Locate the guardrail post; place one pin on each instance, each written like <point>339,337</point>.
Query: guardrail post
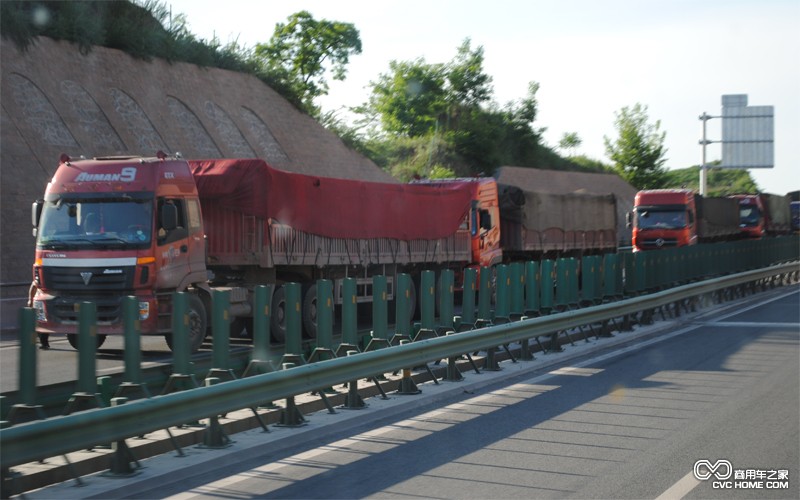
<point>562,283</point>
<point>546,290</point>
<point>182,376</point>
<point>214,436</point>
<point>402,308</point>
<point>123,463</point>
<point>502,292</point>
<point>220,331</point>
<point>484,298</point>
<point>517,305</point>
<point>588,279</point>
<point>427,301</point>
<point>87,363</point>
<point>27,410</point>
<point>574,295</point>
<point>291,416</point>
<point>349,318</point>
<point>453,374</point>
<point>380,321</point>
<point>293,351</point>
<point>468,300</point>
<point>133,351</point>
<point>353,401</point>
<point>446,303</point>
<point>324,350</point>
<point>532,286</point>
<point>406,386</point>
<point>610,263</point>
<point>260,361</point>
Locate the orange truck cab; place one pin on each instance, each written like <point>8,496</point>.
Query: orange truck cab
<point>483,222</point>
<point>664,218</point>
<point>112,227</point>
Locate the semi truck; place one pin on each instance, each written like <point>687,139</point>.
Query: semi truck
<point>668,218</point>
<point>117,226</point>
<point>113,227</point>
<point>764,214</point>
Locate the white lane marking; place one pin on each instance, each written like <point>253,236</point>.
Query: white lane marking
<point>680,489</point>
<point>750,324</point>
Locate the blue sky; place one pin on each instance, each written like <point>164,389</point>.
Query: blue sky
<point>591,58</point>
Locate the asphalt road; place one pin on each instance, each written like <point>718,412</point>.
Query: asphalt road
<point>626,422</point>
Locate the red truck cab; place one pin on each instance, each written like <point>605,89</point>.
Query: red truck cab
<point>113,227</point>
<point>664,218</point>
<point>751,215</point>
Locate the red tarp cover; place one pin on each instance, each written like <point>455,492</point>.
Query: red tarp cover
<point>336,208</point>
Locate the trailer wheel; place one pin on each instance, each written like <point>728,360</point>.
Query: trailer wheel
<point>278,317</point>
<point>73,340</point>
<point>198,325</point>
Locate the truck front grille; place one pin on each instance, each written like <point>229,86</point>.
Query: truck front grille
<point>660,243</point>
<point>88,279</point>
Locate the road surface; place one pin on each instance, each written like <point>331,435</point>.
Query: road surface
<point>628,422</point>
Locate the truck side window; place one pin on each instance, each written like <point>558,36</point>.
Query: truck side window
<point>179,232</point>
<point>193,209</point>
<point>486,220</point>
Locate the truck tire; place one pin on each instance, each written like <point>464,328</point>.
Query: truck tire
<point>278,317</point>
<point>198,325</point>
<point>73,340</point>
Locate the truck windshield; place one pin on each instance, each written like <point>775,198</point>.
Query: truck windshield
<point>75,222</point>
<point>660,219</point>
<point>748,216</point>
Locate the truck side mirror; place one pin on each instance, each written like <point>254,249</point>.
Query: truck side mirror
<point>628,219</point>
<point>36,213</point>
<point>169,216</point>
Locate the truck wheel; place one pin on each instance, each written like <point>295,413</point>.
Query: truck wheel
<point>198,325</point>
<point>73,340</point>
<point>278,318</point>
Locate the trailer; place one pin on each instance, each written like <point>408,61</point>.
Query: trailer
<point>535,224</point>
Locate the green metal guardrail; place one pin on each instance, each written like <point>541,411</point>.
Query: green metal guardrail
<point>38,440</point>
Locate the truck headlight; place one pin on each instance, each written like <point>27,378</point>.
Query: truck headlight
<point>144,310</point>
<point>38,306</point>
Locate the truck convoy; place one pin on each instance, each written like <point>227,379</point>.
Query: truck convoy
<point>112,227</point>
<point>668,218</point>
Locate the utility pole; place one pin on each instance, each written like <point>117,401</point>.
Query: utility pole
<point>704,142</point>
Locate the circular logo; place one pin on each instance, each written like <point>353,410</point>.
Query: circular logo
<point>660,242</point>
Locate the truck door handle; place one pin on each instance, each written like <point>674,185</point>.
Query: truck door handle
<point>184,248</point>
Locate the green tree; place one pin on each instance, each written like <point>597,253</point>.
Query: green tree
<point>303,50</point>
<point>410,98</point>
<point>453,101</point>
<point>570,141</point>
<point>467,83</point>
<point>638,152</point>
